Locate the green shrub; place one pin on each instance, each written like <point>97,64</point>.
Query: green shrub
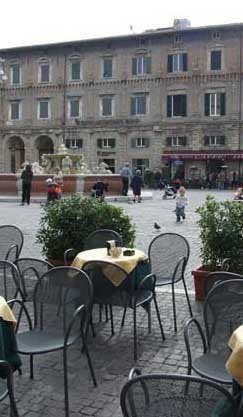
<point>221,233</point>
<point>67,223</point>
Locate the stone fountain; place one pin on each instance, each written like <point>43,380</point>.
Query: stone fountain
<point>76,175</point>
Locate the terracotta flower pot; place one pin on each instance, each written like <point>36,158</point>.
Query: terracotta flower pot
<point>200,274</point>
<point>58,262</point>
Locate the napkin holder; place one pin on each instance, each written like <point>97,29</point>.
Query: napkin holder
<point>112,248</point>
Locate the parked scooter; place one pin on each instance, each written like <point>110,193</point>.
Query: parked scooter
<point>169,191</point>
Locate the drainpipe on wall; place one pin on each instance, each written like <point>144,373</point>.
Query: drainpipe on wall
<point>240,104</point>
<point>64,99</point>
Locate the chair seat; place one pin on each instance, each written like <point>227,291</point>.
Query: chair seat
<point>212,366</point>
<point>35,341</point>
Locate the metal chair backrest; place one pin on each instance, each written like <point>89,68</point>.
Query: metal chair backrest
<point>165,251</point>
<point>11,242</point>
<point>57,295</point>
<point>215,278</point>
<point>30,270</point>
<point>10,283</point>
<point>98,239</point>
<point>170,395</point>
<point>223,313</point>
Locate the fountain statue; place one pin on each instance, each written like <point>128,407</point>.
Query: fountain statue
<point>69,163</point>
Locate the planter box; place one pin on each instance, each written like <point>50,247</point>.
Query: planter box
<point>200,275</point>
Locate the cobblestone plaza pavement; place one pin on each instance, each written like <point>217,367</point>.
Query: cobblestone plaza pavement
<point>112,357</point>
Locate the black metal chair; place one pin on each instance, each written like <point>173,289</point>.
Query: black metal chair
<point>70,290</point>
<point>165,252</point>
<point>215,278</point>
<point>30,271</point>
<point>10,282</point>
<point>11,242</point>
<point>6,386</point>
<point>222,314</point>
<point>114,287</point>
<point>98,239</point>
<point>171,395</point>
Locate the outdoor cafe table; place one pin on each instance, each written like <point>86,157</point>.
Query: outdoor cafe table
<point>136,266</point>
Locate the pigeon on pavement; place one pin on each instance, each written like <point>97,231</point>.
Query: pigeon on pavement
<point>157,226</point>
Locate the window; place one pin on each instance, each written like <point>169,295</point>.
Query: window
<point>74,143</point>
<point>215,63</point>
<point>107,68</point>
<point>141,65</point>
<point>177,39</point>
<point>75,70</point>
<point>138,104</point>
<point>141,164</point>
<point>175,141</point>
<point>214,140</point>
<point>106,106</point>
<point>74,109</point>
<point>106,143</point>
<point>140,143</point>
<point>216,35</point>
<point>215,104</point>
<point>14,110</point>
<point>15,74</point>
<point>43,109</point>
<point>177,62</point>
<point>44,72</point>
<point>177,105</point>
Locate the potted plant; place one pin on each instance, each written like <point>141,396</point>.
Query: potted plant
<point>67,223</point>
<point>221,234</point>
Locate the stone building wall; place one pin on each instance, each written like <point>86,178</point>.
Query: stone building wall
<point>26,136</point>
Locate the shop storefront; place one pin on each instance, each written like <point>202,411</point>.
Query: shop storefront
<point>198,167</point>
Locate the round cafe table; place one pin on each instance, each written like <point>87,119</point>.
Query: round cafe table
<point>128,263</point>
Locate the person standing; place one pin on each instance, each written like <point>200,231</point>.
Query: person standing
<point>181,202</point>
<point>136,184</point>
<point>126,176</point>
<point>26,176</point>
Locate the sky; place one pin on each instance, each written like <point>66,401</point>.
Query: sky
<point>33,22</point>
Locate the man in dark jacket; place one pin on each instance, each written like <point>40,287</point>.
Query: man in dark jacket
<point>26,176</point>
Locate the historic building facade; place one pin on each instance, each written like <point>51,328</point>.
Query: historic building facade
<point>168,98</point>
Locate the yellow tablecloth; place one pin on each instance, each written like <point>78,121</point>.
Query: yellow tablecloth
<point>128,263</point>
<point>234,365</point>
<point>6,312</point>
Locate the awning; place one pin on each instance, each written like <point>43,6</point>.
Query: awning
<point>200,156</point>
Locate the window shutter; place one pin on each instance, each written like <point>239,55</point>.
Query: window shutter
<point>170,63</point>
<point>112,143</point>
<point>133,105</point>
<point>168,141</point>
<point>133,143</point>
<point>183,110</point>
<point>184,62</point>
<point>183,141</point>
<point>134,66</point>
<point>146,142</point>
<point>169,106</point>
<point>148,65</point>
<point>142,105</point>
<point>206,104</point>
<point>222,140</point>
<point>99,143</point>
<point>222,104</point>
<point>206,140</point>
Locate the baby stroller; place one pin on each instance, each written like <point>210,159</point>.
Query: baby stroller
<point>169,191</point>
